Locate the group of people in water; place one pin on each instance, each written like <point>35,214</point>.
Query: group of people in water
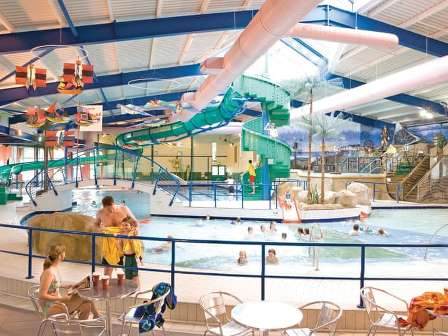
<point>357,229</point>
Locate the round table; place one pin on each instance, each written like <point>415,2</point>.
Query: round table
<point>114,291</point>
<point>266,315</point>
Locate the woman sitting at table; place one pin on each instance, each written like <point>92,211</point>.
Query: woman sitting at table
<point>49,289</point>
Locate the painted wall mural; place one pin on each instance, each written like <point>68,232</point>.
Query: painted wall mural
<point>353,134</point>
<point>428,132</point>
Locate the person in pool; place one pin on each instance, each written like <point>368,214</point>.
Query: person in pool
<point>242,259</point>
<point>250,230</point>
<point>355,230</point>
<point>165,247</point>
<point>382,232</point>
<point>109,220</point>
<point>262,228</point>
<point>237,221</point>
<point>272,227</point>
<point>284,236</point>
<point>272,257</point>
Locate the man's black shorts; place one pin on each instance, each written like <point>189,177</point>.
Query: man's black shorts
<point>105,263</point>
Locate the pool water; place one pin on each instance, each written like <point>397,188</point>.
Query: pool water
<point>403,226</point>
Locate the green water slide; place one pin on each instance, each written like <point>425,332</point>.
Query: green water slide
<point>274,154</point>
<point>7,170</point>
<point>211,117</point>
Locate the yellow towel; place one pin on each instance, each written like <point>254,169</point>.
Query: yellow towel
<point>131,246</point>
<point>110,247</point>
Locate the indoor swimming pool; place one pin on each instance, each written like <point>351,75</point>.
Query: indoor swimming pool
<point>403,226</point>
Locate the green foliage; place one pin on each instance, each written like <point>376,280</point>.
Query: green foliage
<point>314,196</point>
<point>440,141</point>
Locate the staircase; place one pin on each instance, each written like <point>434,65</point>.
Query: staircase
<point>410,181</point>
<point>275,101</point>
<point>433,186</point>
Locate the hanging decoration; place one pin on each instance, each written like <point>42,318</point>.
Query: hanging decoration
<point>36,117</point>
<point>51,138</point>
<point>30,76</point>
<point>69,138</point>
<point>75,75</point>
<point>54,117</point>
<point>90,118</point>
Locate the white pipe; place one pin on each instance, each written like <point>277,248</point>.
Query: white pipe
<point>418,77</point>
<point>345,35</point>
<point>274,19</point>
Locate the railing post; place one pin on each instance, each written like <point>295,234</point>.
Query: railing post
<point>374,191</point>
<point>115,166</point>
<point>276,196</point>
<point>173,263</point>
<point>214,193</point>
<point>94,166</point>
<point>362,274</point>
<point>77,168</point>
<point>93,252</point>
<point>270,197</point>
<point>190,193</point>
<point>30,254</point>
<point>242,195</point>
<point>263,271</point>
<point>398,191</point>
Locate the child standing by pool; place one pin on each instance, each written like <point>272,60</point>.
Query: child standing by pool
<point>132,250</point>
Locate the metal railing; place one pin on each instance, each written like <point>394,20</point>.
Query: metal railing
<point>262,275</point>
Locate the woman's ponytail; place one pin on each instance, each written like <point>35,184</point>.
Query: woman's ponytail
<point>53,255</point>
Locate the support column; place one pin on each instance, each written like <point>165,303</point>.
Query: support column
<point>265,178</point>
<point>191,157</point>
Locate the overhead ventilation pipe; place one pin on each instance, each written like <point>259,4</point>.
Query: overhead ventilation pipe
<point>419,77</point>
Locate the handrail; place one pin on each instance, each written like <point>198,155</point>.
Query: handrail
<point>370,164</point>
<point>79,154</point>
<point>414,169</point>
<point>262,244</point>
<point>426,174</point>
<point>432,238</point>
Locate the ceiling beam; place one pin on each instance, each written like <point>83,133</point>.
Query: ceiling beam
<point>5,23</point>
<point>144,29</point>
<point>159,7</point>
<point>430,11</point>
<point>204,6</point>
<point>11,95</point>
<point>185,48</point>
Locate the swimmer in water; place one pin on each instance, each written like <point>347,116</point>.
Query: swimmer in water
<point>262,228</point>
<point>284,235</point>
<point>272,257</point>
<point>236,222</point>
<point>355,230</point>
<point>250,230</point>
<point>165,247</point>
<point>382,232</point>
<point>93,204</point>
<point>273,227</point>
<point>242,259</point>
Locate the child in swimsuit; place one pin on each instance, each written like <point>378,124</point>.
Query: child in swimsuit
<point>132,250</point>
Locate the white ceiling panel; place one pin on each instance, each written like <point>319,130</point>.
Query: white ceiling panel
<point>103,57</point>
<point>134,55</point>
<point>125,10</point>
<point>166,50</point>
<point>87,11</point>
<point>26,14</point>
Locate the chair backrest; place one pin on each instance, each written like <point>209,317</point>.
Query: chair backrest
<point>368,297</point>
<point>214,306</point>
<point>33,294</point>
<point>62,325</point>
<point>158,303</point>
<point>329,314</point>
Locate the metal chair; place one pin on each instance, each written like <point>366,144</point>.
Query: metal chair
<point>380,316</point>
<point>329,315</point>
<point>214,307</point>
<point>62,325</point>
<point>128,317</point>
<point>33,294</point>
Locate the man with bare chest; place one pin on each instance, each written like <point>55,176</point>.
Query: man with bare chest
<point>112,216</point>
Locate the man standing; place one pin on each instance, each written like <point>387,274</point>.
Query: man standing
<point>252,175</point>
<point>108,220</point>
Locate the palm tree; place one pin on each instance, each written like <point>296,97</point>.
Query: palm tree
<point>325,127</point>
